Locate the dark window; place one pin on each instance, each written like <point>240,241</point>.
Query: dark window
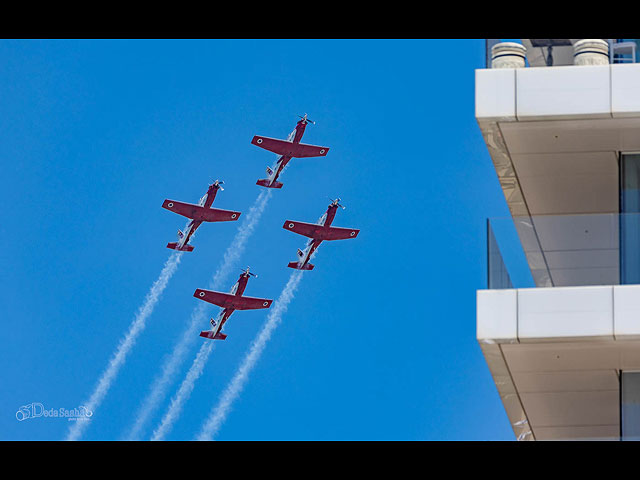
<point>630,405</point>
<point>629,219</point>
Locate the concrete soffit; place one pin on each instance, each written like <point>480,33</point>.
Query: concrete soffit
<point>505,170</point>
<point>507,391</point>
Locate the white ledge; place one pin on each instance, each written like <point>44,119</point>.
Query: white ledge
<point>557,93</point>
<point>558,314</point>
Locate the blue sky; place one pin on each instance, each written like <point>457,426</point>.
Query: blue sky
<point>379,341</point>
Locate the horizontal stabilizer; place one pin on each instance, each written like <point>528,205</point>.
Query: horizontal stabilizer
<point>185,248</point>
<point>320,232</point>
<point>264,182</point>
<point>289,149</point>
<point>227,300</point>
<point>199,213</point>
<point>297,266</point>
<point>209,334</point>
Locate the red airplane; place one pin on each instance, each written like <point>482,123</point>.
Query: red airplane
<point>317,233</point>
<point>202,212</point>
<point>229,302</point>
<point>287,149</point>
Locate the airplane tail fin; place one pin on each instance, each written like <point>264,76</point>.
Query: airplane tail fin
<point>297,266</point>
<point>208,334</point>
<point>264,182</point>
<point>185,248</point>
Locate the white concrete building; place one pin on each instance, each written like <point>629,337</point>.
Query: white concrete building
<point>559,324</point>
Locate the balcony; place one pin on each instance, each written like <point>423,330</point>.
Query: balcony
<point>559,324</point>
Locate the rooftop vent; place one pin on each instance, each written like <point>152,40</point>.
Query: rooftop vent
<point>591,51</point>
<point>508,55</point>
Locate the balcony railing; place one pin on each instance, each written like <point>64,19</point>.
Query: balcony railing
<point>563,250</point>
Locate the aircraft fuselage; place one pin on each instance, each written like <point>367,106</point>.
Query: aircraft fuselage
<point>206,201</point>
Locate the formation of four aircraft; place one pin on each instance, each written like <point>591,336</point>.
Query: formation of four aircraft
<point>203,212</point>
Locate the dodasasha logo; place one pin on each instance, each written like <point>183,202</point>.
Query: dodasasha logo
<point>38,410</point>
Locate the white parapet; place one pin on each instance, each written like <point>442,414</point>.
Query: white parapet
<point>626,312</point>
<point>625,90</point>
<point>558,314</point>
<point>557,93</point>
<point>497,312</point>
<point>562,314</point>
<point>563,92</point>
<point>496,95</point>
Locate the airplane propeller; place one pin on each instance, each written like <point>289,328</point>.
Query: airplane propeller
<point>337,202</point>
<point>306,120</point>
<point>219,183</point>
<point>247,272</point>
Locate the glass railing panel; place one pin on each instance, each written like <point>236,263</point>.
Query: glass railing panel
<point>564,250</point>
<point>506,257</point>
<point>498,276</point>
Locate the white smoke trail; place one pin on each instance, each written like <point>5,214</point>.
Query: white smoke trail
<point>127,343</point>
<point>172,364</point>
<point>219,413</point>
<point>184,391</point>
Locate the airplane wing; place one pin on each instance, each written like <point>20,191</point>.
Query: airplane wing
<point>202,214</point>
<point>319,232</point>
<point>290,149</point>
<point>338,233</point>
<point>302,228</point>
<point>252,303</point>
<point>227,300</point>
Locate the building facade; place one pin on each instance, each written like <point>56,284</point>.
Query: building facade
<point>559,321</point>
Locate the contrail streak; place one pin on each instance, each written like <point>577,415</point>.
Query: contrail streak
<point>184,391</point>
<point>219,413</point>
<point>172,364</point>
<point>127,343</point>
